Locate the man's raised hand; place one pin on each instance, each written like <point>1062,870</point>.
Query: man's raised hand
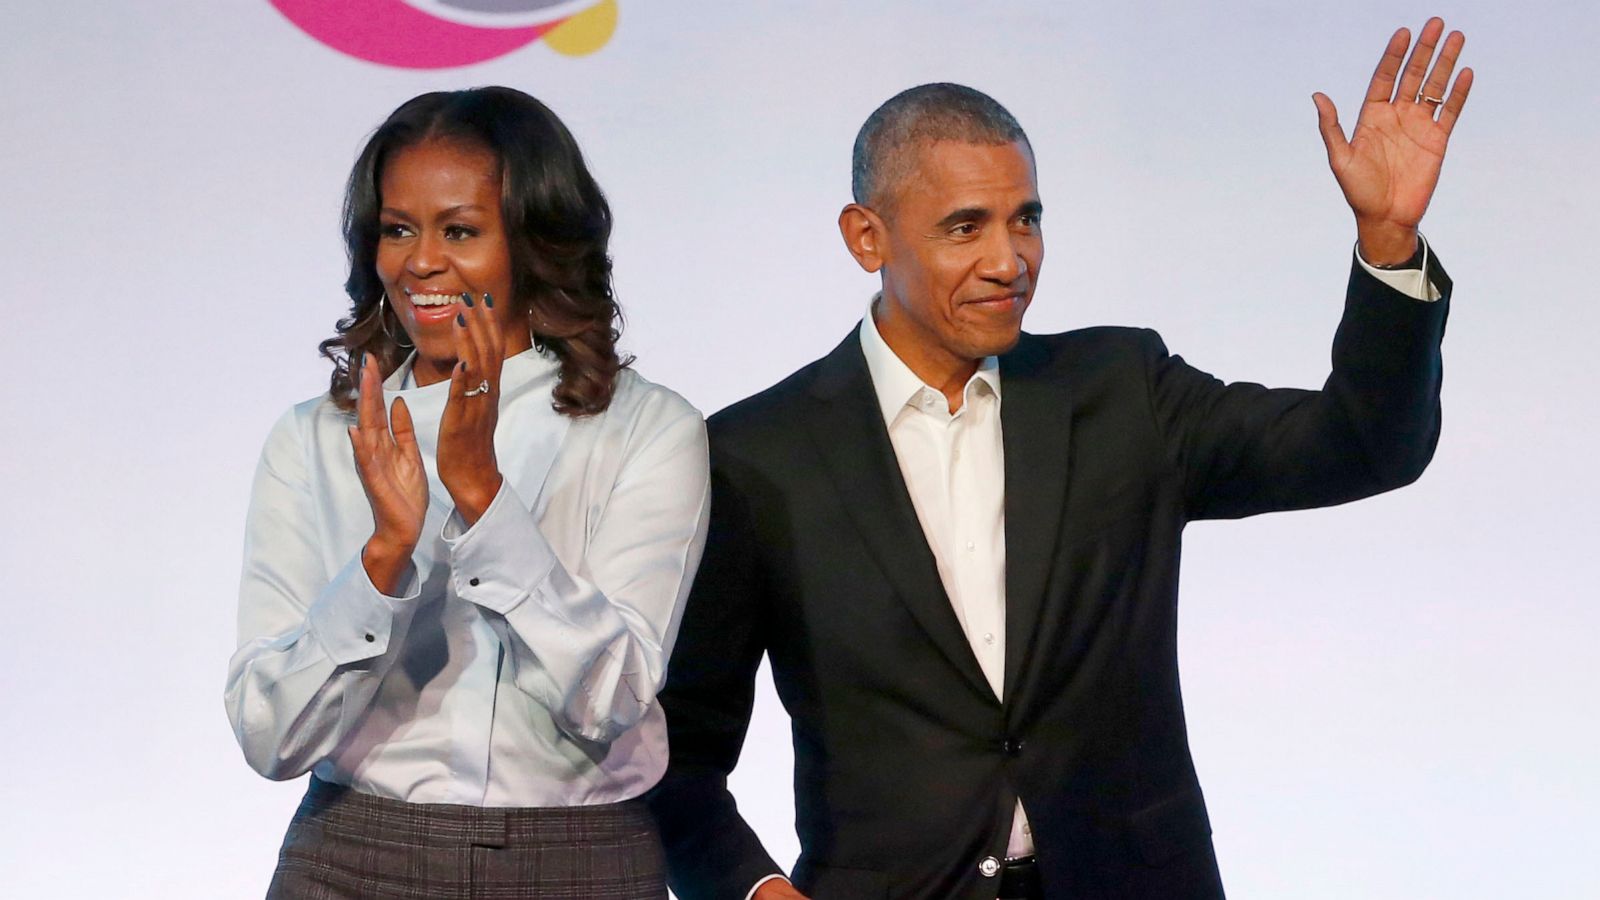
<point>1389,167</point>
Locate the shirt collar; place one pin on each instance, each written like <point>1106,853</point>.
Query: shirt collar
<point>896,385</point>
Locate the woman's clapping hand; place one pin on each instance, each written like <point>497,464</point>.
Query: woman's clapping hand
<point>390,466</point>
<point>467,464</point>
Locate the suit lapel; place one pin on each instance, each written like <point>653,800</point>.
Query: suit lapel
<point>1036,423</point>
<point>847,427</point>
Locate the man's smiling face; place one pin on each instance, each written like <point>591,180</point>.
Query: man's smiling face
<point>961,252</point>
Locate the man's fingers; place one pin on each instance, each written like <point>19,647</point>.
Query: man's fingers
<point>1381,90</point>
<point>1332,135</point>
<point>1457,99</point>
<point>1439,78</point>
<point>1417,66</point>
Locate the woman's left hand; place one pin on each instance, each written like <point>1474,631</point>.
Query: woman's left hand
<point>467,464</point>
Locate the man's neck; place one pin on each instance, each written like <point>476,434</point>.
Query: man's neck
<point>936,368</point>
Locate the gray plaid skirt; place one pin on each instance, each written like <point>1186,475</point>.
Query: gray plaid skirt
<point>343,844</point>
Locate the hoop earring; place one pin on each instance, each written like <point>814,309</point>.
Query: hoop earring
<point>538,342</point>
<point>383,323</point>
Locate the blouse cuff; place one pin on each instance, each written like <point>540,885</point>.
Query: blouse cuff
<point>499,560</point>
<point>352,619</point>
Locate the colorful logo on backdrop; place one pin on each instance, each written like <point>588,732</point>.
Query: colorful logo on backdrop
<point>441,34</point>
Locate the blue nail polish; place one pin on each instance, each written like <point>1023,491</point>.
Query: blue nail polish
<point>461,320</point>
<point>467,299</point>
<point>488,301</point>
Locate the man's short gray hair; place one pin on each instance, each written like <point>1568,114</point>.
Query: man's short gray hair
<point>885,147</point>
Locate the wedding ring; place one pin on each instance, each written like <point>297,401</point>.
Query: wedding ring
<point>482,388</point>
<point>1431,101</point>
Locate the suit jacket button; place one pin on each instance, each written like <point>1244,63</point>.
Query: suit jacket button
<point>1011,746</point>
<point>989,868</point>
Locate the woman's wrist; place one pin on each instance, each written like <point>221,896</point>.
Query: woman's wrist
<point>386,560</point>
<point>473,500</point>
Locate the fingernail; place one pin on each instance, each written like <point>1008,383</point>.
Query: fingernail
<point>461,320</point>
<point>488,301</point>
<point>467,299</point>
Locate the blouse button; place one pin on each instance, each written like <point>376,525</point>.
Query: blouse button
<point>370,639</point>
<point>473,582</point>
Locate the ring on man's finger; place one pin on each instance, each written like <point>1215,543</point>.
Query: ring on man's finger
<point>482,388</point>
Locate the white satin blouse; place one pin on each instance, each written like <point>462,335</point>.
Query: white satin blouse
<point>520,666</point>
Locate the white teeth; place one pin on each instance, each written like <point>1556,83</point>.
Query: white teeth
<point>432,299</point>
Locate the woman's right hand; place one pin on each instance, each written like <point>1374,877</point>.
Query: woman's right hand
<point>390,466</point>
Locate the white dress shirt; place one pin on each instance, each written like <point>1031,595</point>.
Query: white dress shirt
<point>954,468</point>
<point>520,665</point>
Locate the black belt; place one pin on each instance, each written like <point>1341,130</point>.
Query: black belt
<point>1019,880</point>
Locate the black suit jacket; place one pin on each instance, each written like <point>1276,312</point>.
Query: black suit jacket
<point>907,765</point>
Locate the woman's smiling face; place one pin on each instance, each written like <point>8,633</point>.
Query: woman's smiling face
<point>441,233</point>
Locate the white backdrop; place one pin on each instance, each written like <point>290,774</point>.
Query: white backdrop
<point>1390,699</point>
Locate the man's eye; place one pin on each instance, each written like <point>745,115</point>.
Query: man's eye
<point>965,229</point>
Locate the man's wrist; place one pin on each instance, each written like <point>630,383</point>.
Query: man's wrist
<point>1387,246</point>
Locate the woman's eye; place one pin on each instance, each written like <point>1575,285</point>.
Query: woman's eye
<point>459,232</point>
<point>393,230</point>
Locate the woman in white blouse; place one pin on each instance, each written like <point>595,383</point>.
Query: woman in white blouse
<point>464,564</point>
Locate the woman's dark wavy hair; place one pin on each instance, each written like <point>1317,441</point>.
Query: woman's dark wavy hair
<point>557,223</point>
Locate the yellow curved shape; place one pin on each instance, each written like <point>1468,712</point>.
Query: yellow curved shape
<point>585,32</point>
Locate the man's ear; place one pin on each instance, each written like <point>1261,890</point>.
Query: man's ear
<point>865,236</point>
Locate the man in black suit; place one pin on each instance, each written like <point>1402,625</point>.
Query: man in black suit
<point>959,543</point>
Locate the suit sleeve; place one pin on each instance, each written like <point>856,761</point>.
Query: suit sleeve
<point>711,850</point>
<point>1244,449</point>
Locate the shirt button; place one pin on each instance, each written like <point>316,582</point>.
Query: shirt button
<point>370,639</point>
<point>989,868</point>
<point>472,581</point>
<point>971,545</point>
<point>955,455</point>
<point>988,638</point>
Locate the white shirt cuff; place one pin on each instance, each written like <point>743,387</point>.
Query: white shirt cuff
<point>496,561</point>
<point>352,619</point>
<point>758,885</point>
<point>1413,283</point>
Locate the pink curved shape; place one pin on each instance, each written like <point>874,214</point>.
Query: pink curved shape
<point>392,33</point>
